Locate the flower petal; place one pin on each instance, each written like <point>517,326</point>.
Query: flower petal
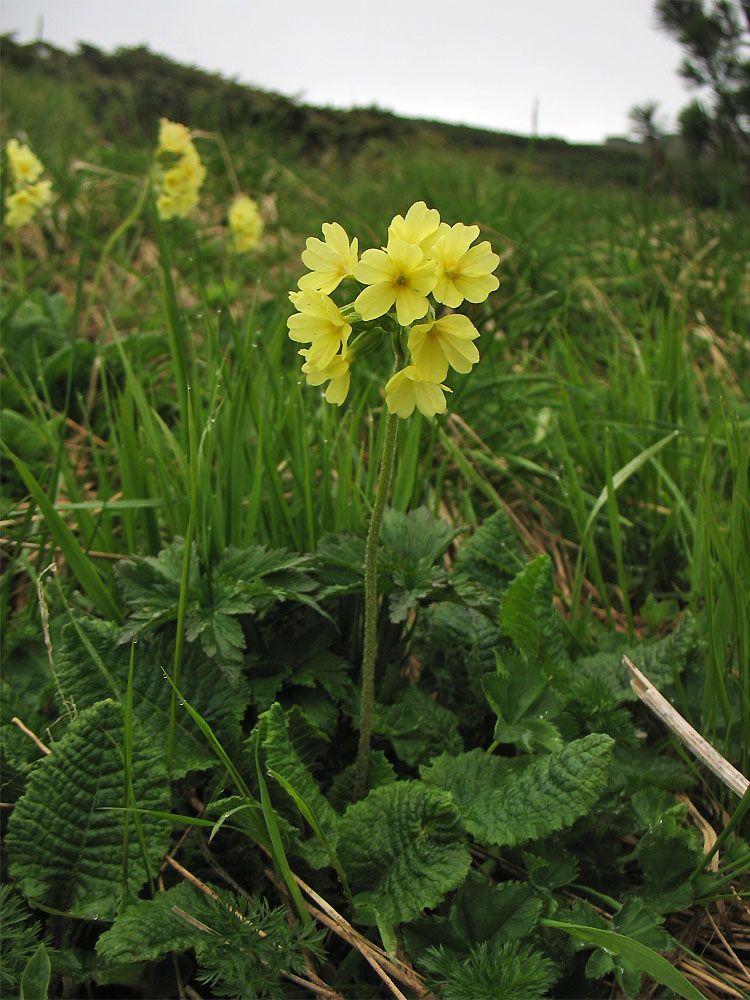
<point>410,305</point>
<point>375,300</point>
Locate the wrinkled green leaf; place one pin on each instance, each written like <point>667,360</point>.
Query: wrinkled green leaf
<point>668,853</point>
<point>149,929</point>
<point>403,849</point>
<point>65,836</point>
<point>528,616</point>
<point>514,800</point>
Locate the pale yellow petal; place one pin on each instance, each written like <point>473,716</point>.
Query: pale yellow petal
<point>459,239</point>
<point>461,355</point>
<point>374,266</point>
<point>410,305</point>
<point>479,260</point>
<point>375,300</point>
<point>399,394</point>
<point>406,389</point>
<point>429,362</point>
<point>418,227</point>
<point>445,291</point>
<point>338,388</point>
<point>404,258</point>
<point>429,398</point>
<point>476,289</point>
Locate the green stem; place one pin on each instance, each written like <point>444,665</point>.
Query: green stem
<point>371,590</point>
<point>225,155</point>
<point>20,267</point>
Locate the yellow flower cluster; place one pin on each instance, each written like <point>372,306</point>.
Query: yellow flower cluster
<point>423,257</point>
<point>245,223</point>
<point>179,173</point>
<point>29,193</point>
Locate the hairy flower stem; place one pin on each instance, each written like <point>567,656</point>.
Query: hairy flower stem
<point>371,591</point>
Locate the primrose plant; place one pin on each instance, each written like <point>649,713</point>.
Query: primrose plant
<point>407,292</point>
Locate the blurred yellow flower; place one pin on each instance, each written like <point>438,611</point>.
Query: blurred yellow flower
<point>419,226</point>
<point>436,345</point>
<point>174,138</point>
<point>330,261</point>
<point>463,271</point>
<point>179,185</point>
<point>27,197</point>
<point>25,168</point>
<point>245,223</point>
<point>398,275</point>
<point>335,372</point>
<point>406,389</point>
<point>20,208</point>
<point>318,322</point>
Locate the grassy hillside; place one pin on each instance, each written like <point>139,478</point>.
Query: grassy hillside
<point>125,93</point>
<point>185,598</point>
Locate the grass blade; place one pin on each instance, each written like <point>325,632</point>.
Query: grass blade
<point>626,472</point>
<point>645,958</point>
<point>81,565</point>
<point>312,819</point>
<point>277,848</point>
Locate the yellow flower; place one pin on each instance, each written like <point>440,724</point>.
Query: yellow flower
<point>418,227</point>
<point>20,208</point>
<point>176,201</point>
<point>174,138</point>
<point>25,168</point>
<point>406,389</point>
<point>335,372</point>
<point>399,274</point>
<point>245,223</point>
<point>180,185</point>
<point>318,322</point>
<point>23,204</point>
<point>329,262</point>
<point>436,345</point>
<point>41,192</point>
<point>463,273</point>
<point>167,206</point>
<point>178,182</point>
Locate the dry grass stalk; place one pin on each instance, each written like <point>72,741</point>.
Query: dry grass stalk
<point>682,729</point>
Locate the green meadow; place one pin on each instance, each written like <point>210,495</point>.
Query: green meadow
<point>184,531</point>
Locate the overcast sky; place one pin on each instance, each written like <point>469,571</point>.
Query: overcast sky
<point>581,63</point>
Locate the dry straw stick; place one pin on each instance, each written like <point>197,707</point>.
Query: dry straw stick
<point>685,732</point>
